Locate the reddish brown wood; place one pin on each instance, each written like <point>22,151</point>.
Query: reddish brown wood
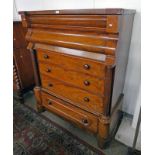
<point>75,115</point>
<point>73,94</point>
<point>16,80</point>
<point>112,24</point>
<point>77,79</point>
<point>23,72</point>
<point>82,57</point>
<point>24,66</point>
<point>37,92</point>
<point>35,67</point>
<point>105,11</point>
<point>19,35</point>
<point>103,130</point>
<point>72,63</point>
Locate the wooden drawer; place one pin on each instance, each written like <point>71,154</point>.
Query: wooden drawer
<point>73,63</point>
<point>98,23</point>
<point>84,81</point>
<point>70,20</point>
<point>74,95</point>
<point>65,110</point>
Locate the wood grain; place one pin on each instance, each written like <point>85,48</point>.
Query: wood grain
<point>82,56</point>
<point>72,62</point>
<point>73,94</point>
<point>23,77</point>
<point>75,115</point>
<point>74,78</point>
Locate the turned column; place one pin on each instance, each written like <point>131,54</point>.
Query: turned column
<point>37,89</point>
<point>103,131</point>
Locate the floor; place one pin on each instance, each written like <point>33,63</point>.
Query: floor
<point>116,148</point>
<point>127,139</point>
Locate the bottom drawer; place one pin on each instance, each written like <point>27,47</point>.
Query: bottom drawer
<point>82,118</point>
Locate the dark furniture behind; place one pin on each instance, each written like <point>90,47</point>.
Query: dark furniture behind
<point>23,76</point>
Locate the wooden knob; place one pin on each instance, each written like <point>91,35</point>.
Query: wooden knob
<point>48,70</point>
<point>110,25</point>
<point>87,83</point>
<point>86,99</point>
<point>86,66</point>
<point>49,102</point>
<point>85,122</point>
<point>50,85</point>
<point>46,56</point>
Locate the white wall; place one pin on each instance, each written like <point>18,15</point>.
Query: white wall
<point>53,4</point>
<point>132,82</point>
<point>16,17</point>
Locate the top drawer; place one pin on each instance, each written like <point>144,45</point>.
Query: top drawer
<point>74,63</point>
<point>89,23</point>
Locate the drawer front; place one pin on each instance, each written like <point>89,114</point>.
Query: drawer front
<point>74,63</point>
<point>98,23</point>
<point>75,115</point>
<point>74,78</point>
<point>70,20</point>
<point>76,96</point>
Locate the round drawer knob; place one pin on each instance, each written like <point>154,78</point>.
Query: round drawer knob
<point>110,25</point>
<point>48,70</point>
<point>46,56</point>
<point>85,122</point>
<point>87,83</point>
<point>49,102</point>
<point>86,99</point>
<point>57,11</point>
<point>86,66</point>
<point>50,85</point>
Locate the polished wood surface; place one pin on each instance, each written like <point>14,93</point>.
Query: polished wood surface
<point>105,11</point>
<point>77,96</point>
<point>19,35</point>
<point>99,43</point>
<point>79,117</point>
<point>23,78</point>
<point>23,59</point>
<point>80,80</point>
<point>74,63</point>
<point>80,58</point>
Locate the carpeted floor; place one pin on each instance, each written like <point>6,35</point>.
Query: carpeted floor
<point>115,148</point>
<point>35,134</point>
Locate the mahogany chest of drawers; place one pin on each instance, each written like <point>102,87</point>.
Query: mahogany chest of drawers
<point>79,59</point>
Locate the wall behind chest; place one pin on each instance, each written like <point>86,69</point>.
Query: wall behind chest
<point>16,17</point>
<point>28,5</point>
